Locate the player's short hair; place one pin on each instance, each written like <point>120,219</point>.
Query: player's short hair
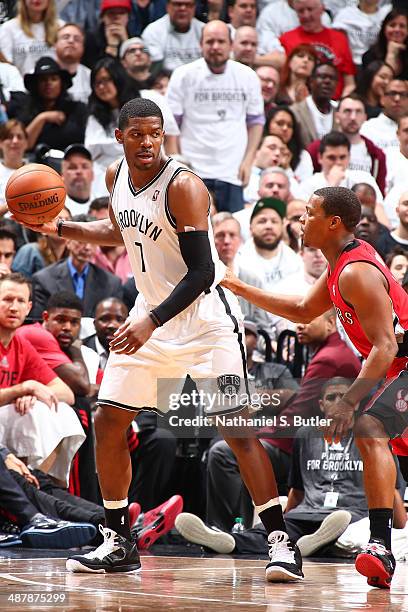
<point>64,299</point>
<point>341,202</point>
<point>16,277</point>
<point>336,380</point>
<point>138,107</point>
<point>334,139</point>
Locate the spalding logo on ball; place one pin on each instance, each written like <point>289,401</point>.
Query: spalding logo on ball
<point>35,194</point>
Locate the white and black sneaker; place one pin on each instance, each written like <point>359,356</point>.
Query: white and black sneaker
<point>285,559</point>
<point>115,555</point>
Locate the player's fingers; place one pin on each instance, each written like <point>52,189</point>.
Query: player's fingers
<point>121,329</point>
<point>119,343</point>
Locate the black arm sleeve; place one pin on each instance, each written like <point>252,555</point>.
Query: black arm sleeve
<point>195,250</point>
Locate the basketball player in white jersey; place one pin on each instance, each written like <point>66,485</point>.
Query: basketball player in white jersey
<point>182,323</point>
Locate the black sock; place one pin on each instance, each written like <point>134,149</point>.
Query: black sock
<point>381,524</point>
<point>272,519</point>
<point>117,519</point>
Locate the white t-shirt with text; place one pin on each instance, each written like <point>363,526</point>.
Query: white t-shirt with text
<point>212,111</point>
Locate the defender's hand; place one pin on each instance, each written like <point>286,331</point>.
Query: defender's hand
<point>341,414</point>
<point>131,336</point>
<point>230,281</point>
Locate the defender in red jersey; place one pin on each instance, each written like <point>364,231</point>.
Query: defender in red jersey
<point>373,309</point>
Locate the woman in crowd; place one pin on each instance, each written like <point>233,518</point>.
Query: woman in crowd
<point>397,261</point>
<point>13,145</point>
<point>30,35</point>
<point>49,113</point>
<point>281,122</point>
<point>35,256</point>
<point>295,73</point>
<point>372,82</point>
<point>110,90</point>
<point>391,45</point>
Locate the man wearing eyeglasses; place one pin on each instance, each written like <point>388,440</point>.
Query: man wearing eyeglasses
<point>382,130</point>
<point>174,39</point>
<point>136,60</point>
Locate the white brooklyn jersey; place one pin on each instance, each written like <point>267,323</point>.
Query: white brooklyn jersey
<point>149,233</point>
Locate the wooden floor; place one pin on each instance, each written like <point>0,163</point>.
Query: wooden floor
<point>194,584</point>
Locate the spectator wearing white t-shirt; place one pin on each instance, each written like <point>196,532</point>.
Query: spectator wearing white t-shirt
<point>334,158</point>
<point>315,114</point>
<point>174,39</point>
<point>362,25</point>
<point>30,35</point>
<point>218,105</point>
<point>397,171</point>
<point>382,130</point>
<point>69,49</point>
<point>265,251</point>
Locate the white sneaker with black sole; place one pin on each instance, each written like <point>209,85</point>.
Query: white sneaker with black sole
<point>193,529</point>
<point>114,555</point>
<point>332,527</point>
<point>285,559</point>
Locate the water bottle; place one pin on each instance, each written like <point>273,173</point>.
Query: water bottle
<point>238,526</point>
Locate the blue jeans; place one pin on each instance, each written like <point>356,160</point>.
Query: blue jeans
<point>228,197</point>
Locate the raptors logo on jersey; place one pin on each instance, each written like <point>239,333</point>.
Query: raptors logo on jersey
<point>149,232</point>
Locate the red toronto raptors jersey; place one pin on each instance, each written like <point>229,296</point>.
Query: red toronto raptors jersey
<point>359,250</point>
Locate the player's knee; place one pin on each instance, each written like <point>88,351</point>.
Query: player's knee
<point>109,421</point>
<point>369,432</point>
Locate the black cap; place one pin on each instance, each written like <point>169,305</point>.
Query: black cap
<point>77,148</point>
<point>278,205</point>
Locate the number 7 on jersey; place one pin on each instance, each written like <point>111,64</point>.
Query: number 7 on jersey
<point>139,244</point>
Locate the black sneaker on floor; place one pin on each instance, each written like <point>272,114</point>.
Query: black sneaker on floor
<point>46,532</point>
<point>285,559</point>
<point>115,555</point>
<point>377,564</point>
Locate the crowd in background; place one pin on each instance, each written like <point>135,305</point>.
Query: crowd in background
<point>266,102</point>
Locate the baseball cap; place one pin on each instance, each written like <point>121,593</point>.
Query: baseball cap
<point>110,4</point>
<point>136,40</point>
<point>273,203</point>
<point>77,148</point>
<point>251,327</point>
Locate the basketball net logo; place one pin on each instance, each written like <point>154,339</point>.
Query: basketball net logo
<point>229,384</point>
<point>401,404</point>
<point>156,195</point>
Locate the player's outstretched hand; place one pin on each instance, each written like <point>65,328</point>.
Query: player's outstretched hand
<point>230,281</point>
<point>341,415</point>
<point>132,335</point>
<point>49,228</point>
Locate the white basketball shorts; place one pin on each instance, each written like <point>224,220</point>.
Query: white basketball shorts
<point>205,341</point>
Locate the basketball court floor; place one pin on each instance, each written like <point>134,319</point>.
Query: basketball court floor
<point>195,583</point>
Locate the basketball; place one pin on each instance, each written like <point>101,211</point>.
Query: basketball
<point>35,194</point>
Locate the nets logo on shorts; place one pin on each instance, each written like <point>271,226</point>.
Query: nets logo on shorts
<point>401,404</point>
<point>229,384</point>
